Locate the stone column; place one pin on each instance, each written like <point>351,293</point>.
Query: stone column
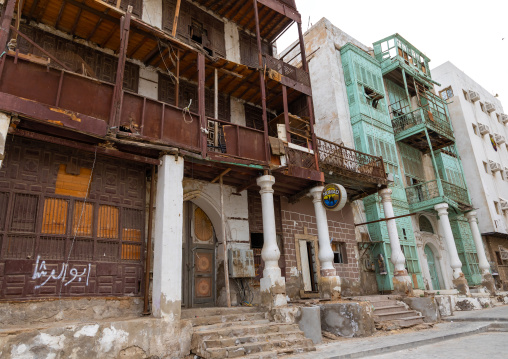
<point>401,282</point>
<point>167,264</point>
<point>273,285</point>
<point>329,284</point>
<point>487,279</point>
<point>5,121</point>
<point>459,280</point>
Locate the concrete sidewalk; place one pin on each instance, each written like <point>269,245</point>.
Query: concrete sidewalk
<point>460,325</point>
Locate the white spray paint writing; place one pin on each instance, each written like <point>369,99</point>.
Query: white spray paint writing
<point>41,271</point>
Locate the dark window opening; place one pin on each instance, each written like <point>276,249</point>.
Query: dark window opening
<point>498,258</point>
<point>256,240</point>
<point>339,252</point>
<point>372,97</point>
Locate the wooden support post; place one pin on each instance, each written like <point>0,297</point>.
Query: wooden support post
<point>175,19</point>
<point>6,22</point>
<point>177,85</point>
<point>117,94</point>
<point>305,66</point>
<point>149,243</point>
<point>216,108</point>
<point>262,81</point>
<point>201,102</point>
<point>224,241</point>
<point>286,112</point>
<point>407,90</point>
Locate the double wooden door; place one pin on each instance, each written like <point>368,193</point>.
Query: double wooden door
<point>199,273</point>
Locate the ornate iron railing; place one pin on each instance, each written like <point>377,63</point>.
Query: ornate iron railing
<point>285,69</point>
<point>456,193</point>
<point>432,118</point>
<point>422,192</point>
<point>343,160</point>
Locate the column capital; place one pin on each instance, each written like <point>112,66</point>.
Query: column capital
<point>442,209</point>
<point>386,195</point>
<point>266,182</point>
<point>471,216</point>
<point>315,193</point>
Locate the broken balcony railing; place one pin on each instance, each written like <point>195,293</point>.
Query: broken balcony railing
<point>343,161</point>
<point>429,190</point>
<point>432,118</point>
<point>294,73</point>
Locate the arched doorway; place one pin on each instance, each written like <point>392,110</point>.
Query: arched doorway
<point>198,262</point>
<point>432,264</point>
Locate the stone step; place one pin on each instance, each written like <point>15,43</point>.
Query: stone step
<point>274,354</point>
<point>409,321</point>
<point>226,325</point>
<point>389,309</point>
<point>284,346</point>
<point>259,338</point>
<point>375,298</point>
<point>242,330</point>
<point>227,318</point>
<point>383,303</point>
<point>204,312</point>
<point>394,316</point>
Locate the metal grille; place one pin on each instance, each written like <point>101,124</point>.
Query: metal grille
<point>422,192</point>
<point>301,159</point>
<point>287,70</point>
<point>455,192</point>
<point>431,117</point>
<point>342,160</point>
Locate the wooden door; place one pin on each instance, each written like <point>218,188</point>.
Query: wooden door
<point>432,268</point>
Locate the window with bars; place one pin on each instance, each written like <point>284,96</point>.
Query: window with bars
<point>447,93</point>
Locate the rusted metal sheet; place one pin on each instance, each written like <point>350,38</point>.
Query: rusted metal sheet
<point>306,173</point>
<point>55,244</point>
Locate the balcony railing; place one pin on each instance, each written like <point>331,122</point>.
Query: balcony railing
<point>294,73</point>
<point>426,191</point>
<point>345,161</point>
<point>432,118</point>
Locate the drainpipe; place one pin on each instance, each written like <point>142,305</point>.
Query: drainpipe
<point>148,264</point>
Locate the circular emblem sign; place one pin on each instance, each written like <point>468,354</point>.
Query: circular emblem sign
<point>333,197</point>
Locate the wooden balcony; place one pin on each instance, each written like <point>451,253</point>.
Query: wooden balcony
<point>424,196</point>
<point>410,128</point>
<point>360,173</point>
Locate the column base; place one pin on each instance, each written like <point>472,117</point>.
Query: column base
<point>488,282</point>
<point>402,284</point>
<point>460,284</point>
<point>330,287</point>
<point>273,291</point>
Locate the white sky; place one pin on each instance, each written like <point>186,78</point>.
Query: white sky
<point>468,33</point>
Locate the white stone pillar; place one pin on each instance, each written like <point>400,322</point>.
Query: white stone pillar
<point>459,279</point>
<point>483,263</point>
<point>167,264</point>
<point>330,281</point>
<point>5,121</point>
<point>273,285</point>
<point>401,281</point>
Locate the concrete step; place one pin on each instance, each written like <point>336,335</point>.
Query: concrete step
<point>409,321</point>
<point>394,316</point>
<point>204,312</point>
<point>258,338</point>
<point>226,318</point>
<point>236,331</point>
<point>285,346</point>
<point>389,309</point>
<point>384,303</point>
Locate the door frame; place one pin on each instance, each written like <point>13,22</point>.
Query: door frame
<point>314,240</point>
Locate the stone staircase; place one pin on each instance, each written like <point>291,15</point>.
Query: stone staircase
<point>242,332</point>
<point>389,313</point>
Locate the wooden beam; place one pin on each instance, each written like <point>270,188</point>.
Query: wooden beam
<point>175,19</point>
<point>92,33</point>
<point>75,25</point>
<point>385,219</point>
<point>226,171</point>
<point>246,186</point>
<point>6,22</point>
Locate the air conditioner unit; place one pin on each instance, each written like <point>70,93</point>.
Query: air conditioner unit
<point>503,117</point>
<point>504,204</point>
<point>490,107</point>
<point>499,139</point>
<point>494,166</point>
<point>474,96</point>
<point>483,128</point>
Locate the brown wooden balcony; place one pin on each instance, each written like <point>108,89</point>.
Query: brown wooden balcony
<point>288,75</point>
<point>360,173</point>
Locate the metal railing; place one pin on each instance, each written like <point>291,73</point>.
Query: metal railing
<point>432,118</point>
<point>343,160</point>
<point>285,69</point>
<point>297,158</point>
<point>426,191</point>
<point>456,193</point>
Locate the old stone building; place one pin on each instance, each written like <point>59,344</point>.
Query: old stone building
<point>159,162</point>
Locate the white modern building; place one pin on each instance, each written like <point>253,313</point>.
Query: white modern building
<point>481,131</point>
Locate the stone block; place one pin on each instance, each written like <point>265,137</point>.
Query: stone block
<point>425,305</point>
<point>348,319</point>
<point>445,305</point>
<point>309,321</point>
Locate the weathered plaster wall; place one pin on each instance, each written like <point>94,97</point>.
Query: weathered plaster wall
<point>152,12</point>
<point>131,338</point>
<point>148,83</point>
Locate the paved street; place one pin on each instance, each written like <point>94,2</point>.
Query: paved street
<point>457,336</point>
